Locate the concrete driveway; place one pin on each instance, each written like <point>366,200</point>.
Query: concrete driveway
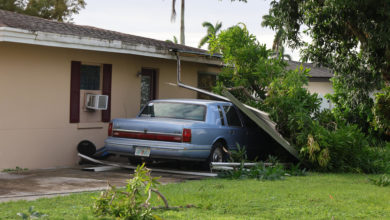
<point>29,185</point>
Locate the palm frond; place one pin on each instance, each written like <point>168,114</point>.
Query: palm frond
<point>203,41</point>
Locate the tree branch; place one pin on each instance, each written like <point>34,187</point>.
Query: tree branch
<point>162,197</point>
<point>246,92</point>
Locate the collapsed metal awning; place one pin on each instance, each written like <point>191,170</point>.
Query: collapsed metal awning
<point>259,117</point>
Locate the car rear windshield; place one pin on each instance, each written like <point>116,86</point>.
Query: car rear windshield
<point>175,110</point>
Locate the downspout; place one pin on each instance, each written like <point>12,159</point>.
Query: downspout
<point>180,84</point>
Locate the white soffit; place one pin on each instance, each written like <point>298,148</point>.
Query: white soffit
<point>16,35</point>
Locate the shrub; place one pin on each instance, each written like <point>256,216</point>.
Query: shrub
<point>260,172</point>
<point>381,111</point>
<point>239,155</point>
<point>382,181</point>
<point>377,159</point>
<point>290,105</point>
<point>133,202</point>
<point>343,149</point>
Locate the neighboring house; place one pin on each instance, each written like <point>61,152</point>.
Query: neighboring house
<point>47,68</point>
<point>319,81</point>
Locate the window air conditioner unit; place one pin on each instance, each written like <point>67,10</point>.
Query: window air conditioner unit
<point>97,102</point>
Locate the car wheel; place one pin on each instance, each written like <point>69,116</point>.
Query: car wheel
<point>216,154</point>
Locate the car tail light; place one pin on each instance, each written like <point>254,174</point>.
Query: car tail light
<point>110,129</point>
<point>186,135</point>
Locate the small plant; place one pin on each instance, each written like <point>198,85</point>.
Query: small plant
<point>239,155</point>
<point>14,170</point>
<point>133,202</point>
<point>296,171</point>
<point>260,172</point>
<point>272,159</point>
<point>382,181</point>
<point>31,214</point>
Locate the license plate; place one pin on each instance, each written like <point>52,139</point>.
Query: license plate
<point>142,151</point>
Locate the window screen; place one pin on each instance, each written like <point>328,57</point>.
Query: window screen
<point>90,77</point>
<point>232,116</point>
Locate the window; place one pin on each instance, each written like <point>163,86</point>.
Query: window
<point>221,115</point>
<point>206,81</point>
<point>90,77</point>
<point>232,116</point>
<point>175,110</point>
<point>148,85</point>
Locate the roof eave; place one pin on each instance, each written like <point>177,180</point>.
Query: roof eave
<point>16,35</point>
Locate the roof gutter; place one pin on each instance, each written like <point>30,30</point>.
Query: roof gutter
<point>16,35</point>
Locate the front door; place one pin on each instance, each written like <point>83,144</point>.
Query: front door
<point>148,85</point>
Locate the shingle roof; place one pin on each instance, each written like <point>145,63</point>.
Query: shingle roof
<point>30,23</point>
<point>315,72</point>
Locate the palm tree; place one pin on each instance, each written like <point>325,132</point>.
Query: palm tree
<point>173,18</point>
<point>211,31</point>
<point>277,45</point>
<point>172,41</point>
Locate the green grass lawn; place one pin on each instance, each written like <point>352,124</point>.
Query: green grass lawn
<point>316,196</point>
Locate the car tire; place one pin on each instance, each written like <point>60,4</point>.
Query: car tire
<point>217,154</point>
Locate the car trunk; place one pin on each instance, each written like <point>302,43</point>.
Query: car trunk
<point>149,128</point>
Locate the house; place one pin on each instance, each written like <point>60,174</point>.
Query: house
<point>319,81</point>
<point>47,70</point>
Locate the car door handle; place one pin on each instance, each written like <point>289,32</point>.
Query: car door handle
<point>231,132</point>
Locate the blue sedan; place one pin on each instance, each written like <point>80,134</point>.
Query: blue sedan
<point>181,129</point>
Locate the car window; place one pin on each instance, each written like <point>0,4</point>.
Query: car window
<point>174,110</point>
<point>221,115</point>
<point>232,116</point>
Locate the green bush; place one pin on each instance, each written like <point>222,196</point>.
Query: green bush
<point>382,181</point>
<point>133,202</point>
<point>381,111</point>
<point>290,105</point>
<point>345,149</point>
<point>378,159</point>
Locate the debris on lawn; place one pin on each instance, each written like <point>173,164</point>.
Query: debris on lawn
<point>125,166</point>
<point>235,165</point>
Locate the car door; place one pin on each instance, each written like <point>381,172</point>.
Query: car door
<point>236,133</point>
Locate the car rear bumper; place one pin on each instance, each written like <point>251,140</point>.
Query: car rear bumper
<point>158,149</point>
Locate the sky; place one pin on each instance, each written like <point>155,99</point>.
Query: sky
<point>152,18</point>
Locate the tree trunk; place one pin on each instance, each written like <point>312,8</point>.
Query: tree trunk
<point>182,38</point>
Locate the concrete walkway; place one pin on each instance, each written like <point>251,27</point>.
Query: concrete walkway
<point>30,185</point>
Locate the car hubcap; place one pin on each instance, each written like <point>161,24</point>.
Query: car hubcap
<point>217,155</point>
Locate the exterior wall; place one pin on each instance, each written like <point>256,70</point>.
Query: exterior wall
<point>322,88</point>
<point>35,96</point>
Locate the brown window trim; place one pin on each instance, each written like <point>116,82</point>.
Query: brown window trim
<point>74,116</point>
